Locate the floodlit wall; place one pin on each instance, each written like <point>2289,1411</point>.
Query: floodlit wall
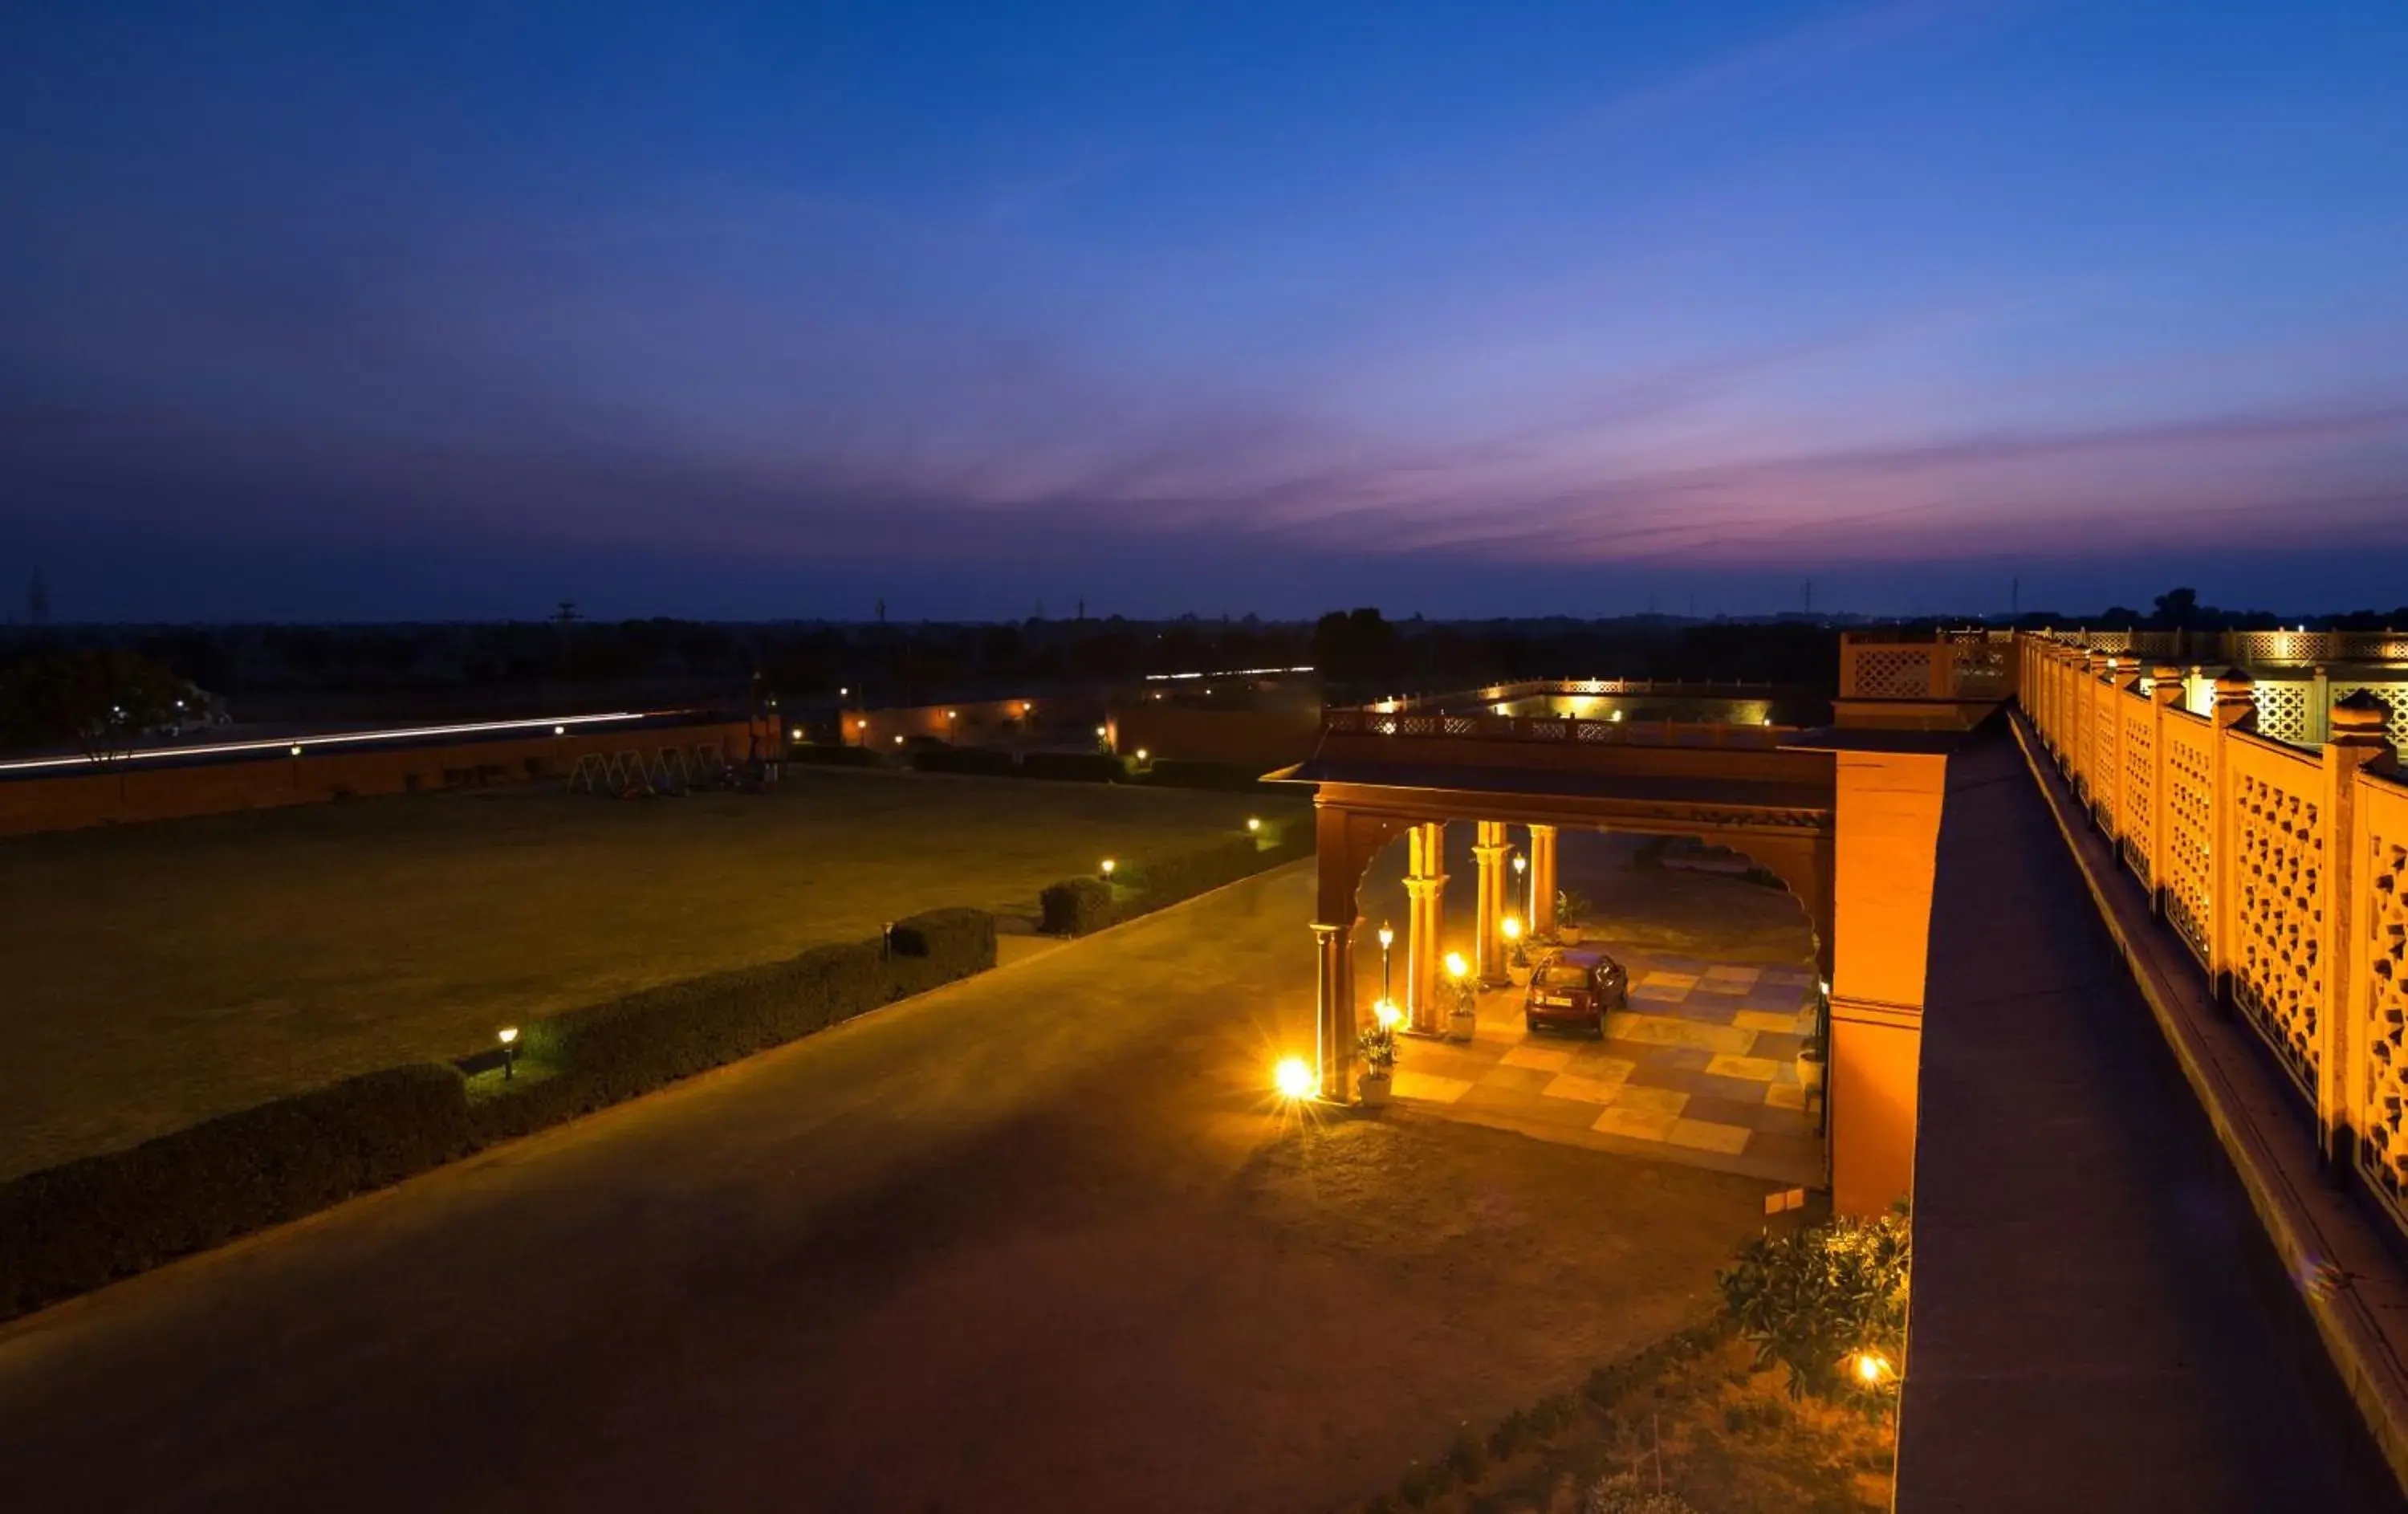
<point>129,792</point>
<point>2283,870</point>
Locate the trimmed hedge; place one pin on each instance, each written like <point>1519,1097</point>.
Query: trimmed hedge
<point>1076,767</point>
<point>832,757</point>
<point>590,1057</point>
<point>984,761</point>
<point>1076,906</point>
<point>72,1228</point>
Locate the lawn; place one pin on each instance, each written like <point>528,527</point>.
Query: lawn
<point>162,974</point>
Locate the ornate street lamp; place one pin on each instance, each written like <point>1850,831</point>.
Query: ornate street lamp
<point>1387,939</point>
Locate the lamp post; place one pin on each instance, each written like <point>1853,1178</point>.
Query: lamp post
<point>1523,876</point>
<point>509,1050</point>
<point>1387,939</point>
<point>1463,1020</point>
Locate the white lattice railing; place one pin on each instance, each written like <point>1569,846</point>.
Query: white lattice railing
<point>2282,869</point>
<point>2378,986</point>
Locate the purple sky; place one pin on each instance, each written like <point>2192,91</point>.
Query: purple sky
<point>326,312</point>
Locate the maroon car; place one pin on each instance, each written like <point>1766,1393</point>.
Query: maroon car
<point>1574,989</point>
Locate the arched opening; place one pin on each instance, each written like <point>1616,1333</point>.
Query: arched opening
<point>1715,1057</point>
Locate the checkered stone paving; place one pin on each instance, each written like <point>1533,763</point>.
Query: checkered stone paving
<point>1701,1069</point>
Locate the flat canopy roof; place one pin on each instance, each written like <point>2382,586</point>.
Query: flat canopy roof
<point>1641,788</point>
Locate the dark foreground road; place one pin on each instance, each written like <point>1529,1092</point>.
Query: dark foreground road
<point>1035,1242</point>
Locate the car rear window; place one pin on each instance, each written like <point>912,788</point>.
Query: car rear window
<point>1562,975</point>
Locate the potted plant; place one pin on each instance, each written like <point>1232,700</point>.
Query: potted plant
<point>1571,912</point>
<point>1376,1045</point>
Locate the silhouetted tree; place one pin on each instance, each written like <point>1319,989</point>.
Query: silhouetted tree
<point>2176,610</point>
<point>100,698</point>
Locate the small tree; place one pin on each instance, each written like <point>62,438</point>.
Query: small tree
<point>100,698</point>
<point>1829,1304</point>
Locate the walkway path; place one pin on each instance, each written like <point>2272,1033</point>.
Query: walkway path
<point>1036,1240</point>
<point>2098,1321</point>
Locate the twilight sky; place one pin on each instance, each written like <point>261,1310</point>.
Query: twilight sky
<point>377,311</point>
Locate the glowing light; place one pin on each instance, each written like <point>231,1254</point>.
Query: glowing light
<point>843,693</point>
<point>1388,1015</point>
<point>1521,863</point>
<point>1456,966</point>
<point>861,725</point>
<point>1827,987</point>
<point>1100,731</point>
<point>296,748</point>
<point>953,714</point>
<point>798,733</point>
<point>1293,1078</point>
<point>560,731</point>
<point>1512,928</point>
<point>1501,708</point>
<point>1253,822</point>
<point>1615,716</point>
<point>510,1033</point>
<point>1108,865</point>
<point>898,741</point>
<point>1871,1368</point>
<point>1387,937</point>
<point>1141,754</point>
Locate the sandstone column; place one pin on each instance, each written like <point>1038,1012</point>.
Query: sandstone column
<point>1425,887</point>
<point>1336,1025</point>
<point>1542,883</point>
<point>1490,944</point>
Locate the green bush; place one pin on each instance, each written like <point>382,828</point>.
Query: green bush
<point>1076,767</point>
<point>74,1227</point>
<point>1813,1299</point>
<point>832,757</point>
<point>984,761</point>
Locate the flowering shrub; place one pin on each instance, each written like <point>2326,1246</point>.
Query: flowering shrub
<point>1829,1304</point>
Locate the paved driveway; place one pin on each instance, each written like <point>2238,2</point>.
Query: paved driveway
<point>1035,1241</point>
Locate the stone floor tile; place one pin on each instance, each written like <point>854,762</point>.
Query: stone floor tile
<point>1655,1101</point>
<point>1700,1084</point>
<point>1669,1031</point>
<point>1429,1088</point>
<point>1741,1112</point>
<point>1704,1135</point>
<point>1779,1023</point>
<point>1785,1096</point>
<point>1754,1068</point>
<point>1635,1124</point>
<point>1527,1080</point>
<point>1545,1058</point>
<point>1778,1047</point>
<point>1583,1090</point>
